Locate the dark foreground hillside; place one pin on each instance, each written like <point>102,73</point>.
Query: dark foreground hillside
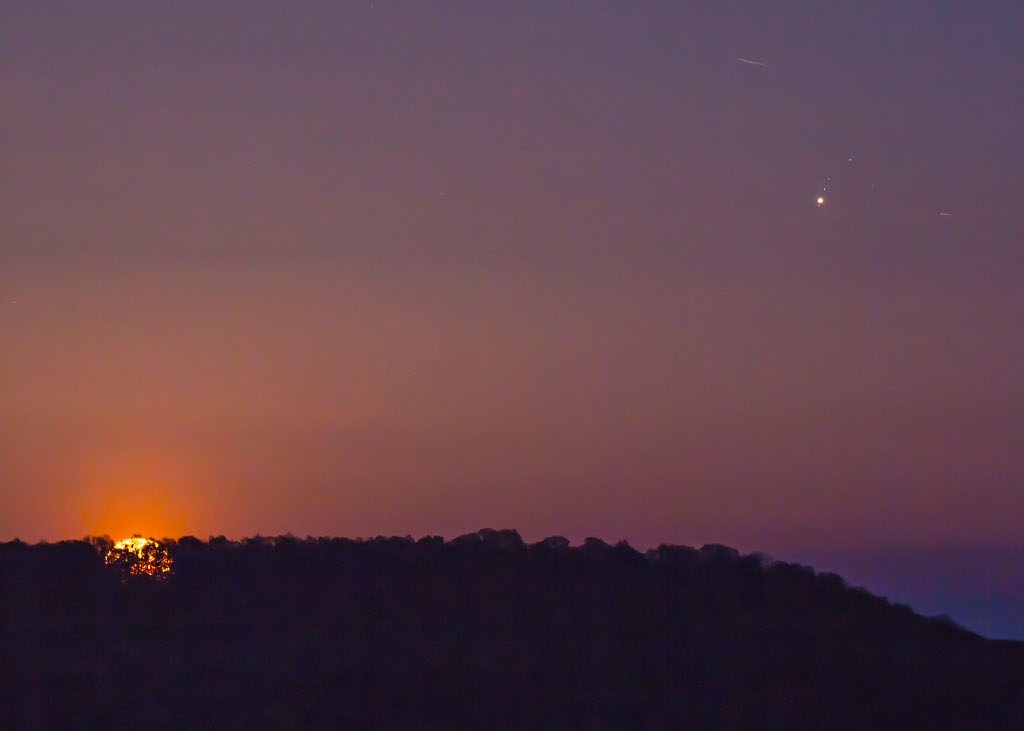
<point>480,632</point>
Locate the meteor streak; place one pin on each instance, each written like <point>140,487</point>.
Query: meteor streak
<point>752,63</point>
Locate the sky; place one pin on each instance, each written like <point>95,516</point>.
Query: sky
<point>361,268</point>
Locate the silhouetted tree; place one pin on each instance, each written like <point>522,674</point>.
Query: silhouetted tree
<point>481,631</point>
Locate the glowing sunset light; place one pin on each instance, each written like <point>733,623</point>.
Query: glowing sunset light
<point>137,487</point>
<point>138,556</point>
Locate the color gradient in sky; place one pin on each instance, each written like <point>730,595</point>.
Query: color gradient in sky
<point>359,268</point>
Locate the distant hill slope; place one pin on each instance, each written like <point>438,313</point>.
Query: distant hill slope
<point>483,632</point>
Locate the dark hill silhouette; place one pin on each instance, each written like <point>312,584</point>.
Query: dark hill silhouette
<point>482,631</point>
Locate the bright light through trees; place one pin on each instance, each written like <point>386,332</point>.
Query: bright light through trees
<point>138,556</point>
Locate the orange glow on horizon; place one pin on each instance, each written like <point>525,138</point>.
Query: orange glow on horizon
<point>138,496</point>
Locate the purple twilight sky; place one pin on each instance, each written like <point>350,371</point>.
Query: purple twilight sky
<point>359,268</point>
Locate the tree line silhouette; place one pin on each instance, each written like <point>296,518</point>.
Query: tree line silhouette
<point>481,631</point>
